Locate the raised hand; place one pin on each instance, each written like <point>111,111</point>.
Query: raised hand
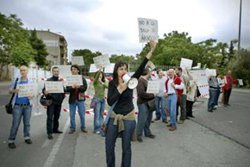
<point>152,48</point>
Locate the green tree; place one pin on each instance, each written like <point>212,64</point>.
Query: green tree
<point>87,54</point>
<point>128,59</point>
<point>14,42</point>
<point>40,48</point>
<point>240,66</point>
<point>172,48</point>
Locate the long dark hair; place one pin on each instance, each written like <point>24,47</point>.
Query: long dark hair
<point>115,75</point>
<point>103,75</point>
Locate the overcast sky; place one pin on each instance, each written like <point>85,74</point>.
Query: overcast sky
<point>110,26</point>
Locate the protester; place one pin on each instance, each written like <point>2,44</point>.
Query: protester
<point>191,96</point>
<point>122,119</point>
<point>160,98</point>
<point>218,91</point>
<point>54,110</point>
<point>145,115</point>
<point>174,88</point>
<point>76,99</point>
<point>185,78</point>
<point>213,87</point>
<point>100,85</point>
<point>22,107</point>
<point>228,88</point>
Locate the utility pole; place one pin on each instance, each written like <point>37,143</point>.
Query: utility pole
<point>239,35</point>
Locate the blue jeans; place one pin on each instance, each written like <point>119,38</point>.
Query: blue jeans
<point>98,111</point>
<point>172,103</point>
<point>127,134</point>
<point>212,95</point>
<point>160,107</point>
<point>216,99</point>
<point>144,120</point>
<point>81,112</point>
<point>18,113</point>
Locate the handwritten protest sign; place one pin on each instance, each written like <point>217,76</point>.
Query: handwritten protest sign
<point>153,87</point>
<point>73,80</point>
<point>186,63</point>
<point>202,81</point>
<point>54,87</point>
<point>63,69</point>
<point>25,90</point>
<point>78,60</point>
<point>92,68</point>
<point>148,29</point>
<point>101,61</point>
<point>110,68</point>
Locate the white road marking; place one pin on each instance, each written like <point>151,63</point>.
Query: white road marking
<point>56,147</point>
<point>46,143</point>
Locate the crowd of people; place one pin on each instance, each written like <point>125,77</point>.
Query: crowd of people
<point>177,94</point>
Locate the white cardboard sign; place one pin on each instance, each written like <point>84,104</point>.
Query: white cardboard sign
<point>148,29</point>
<point>101,61</point>
<point>54,87</point>
<point>202,81</point>
<point>186,63</point>
<point>92,68</point>
<point>73,80</point>
<point>110,68</point>
<point>210,72</point>
<point>240,82</point>
<point>153,87</point>
<point>78,60</point>
<point>63,69</point>
<point>25,90</point>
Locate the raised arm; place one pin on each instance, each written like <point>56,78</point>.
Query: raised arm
<point>139,71</point>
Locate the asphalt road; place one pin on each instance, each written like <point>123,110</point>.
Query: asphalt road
<point>214,139</point>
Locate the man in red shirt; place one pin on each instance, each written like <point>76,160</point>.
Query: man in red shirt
<point>174,88</point>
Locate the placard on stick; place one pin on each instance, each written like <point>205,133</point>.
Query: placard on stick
<point>101,61</point>
<point>92,68</point>
<point>78,60</point>
<point>186,63</point>
<point>148,29</point>
<point>109,68</point>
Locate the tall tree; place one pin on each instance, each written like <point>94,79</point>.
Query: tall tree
<point>15,45</point>
<point>40,48</point>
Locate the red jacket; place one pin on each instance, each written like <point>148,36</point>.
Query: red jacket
<point>229,82</point>
<point>177,81</point>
